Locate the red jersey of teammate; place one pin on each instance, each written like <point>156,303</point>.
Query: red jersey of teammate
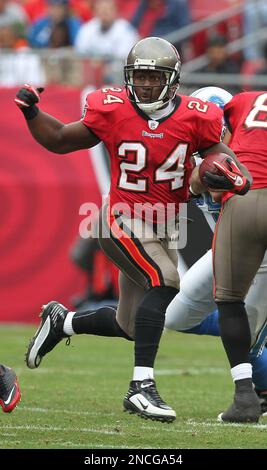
<point>150,160</point>
<point>246,116</point>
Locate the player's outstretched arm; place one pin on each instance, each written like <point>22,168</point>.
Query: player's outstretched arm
<point>49,131</point>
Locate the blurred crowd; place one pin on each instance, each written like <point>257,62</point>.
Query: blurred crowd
<point>107,29</point>
<point>92,27</point>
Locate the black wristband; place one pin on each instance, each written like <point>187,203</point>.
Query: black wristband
<point>245,189</point>
<point>31,112</point>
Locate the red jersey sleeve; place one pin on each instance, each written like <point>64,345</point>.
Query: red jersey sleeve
<point>101,110</point>
<point>246,115</point>
<point>209,127</point>
<point>93,115</point>
<point>228,111</point>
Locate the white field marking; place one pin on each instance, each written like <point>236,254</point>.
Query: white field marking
<point>92,413</point>
<point>46,370</point>
<point>75,444</point>
<point>193,371</point>
<point>61,411</point>
<point>100,446</point>
<point>33,427</point>
<point>189,422</point>
<point>172,430</point>
<point>70,445</point>
<point>182,428</point>
<point>223,425</point>
<point>194,424</point>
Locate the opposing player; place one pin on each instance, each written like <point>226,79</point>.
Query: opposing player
<point>150,133</point>
<point>9,389</point>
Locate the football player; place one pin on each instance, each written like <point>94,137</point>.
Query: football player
<point>191,310</point>
<point>239,248</point>
<point>150,133</point>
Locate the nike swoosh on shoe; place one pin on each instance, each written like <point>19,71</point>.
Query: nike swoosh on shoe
<point>6,402</point>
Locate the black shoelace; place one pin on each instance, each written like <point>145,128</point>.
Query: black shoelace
<point>155,395</point>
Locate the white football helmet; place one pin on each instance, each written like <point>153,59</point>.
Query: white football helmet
<point>214,94</point>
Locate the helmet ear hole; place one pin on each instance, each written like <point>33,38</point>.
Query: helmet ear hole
<point>155,54</point>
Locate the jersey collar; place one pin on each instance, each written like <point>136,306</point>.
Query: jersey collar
<point>177,102</point>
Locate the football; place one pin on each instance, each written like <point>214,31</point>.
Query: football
<point>208,165</point>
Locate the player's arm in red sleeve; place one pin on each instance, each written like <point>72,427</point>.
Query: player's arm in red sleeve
<point>228,109</point>
<point>212,131</point>
<point>236,176</point>
<point>48,131</point>
<point>229,115</point>
<point>228,175</point>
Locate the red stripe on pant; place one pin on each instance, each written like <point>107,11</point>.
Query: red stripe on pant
<point>132,249</point>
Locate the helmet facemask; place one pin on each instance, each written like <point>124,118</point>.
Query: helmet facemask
<point>156,55</point>
<point>169,84</point>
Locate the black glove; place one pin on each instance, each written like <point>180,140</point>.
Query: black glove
<point>26,100</point>
<point>217,181</point>
<point>231,178</point>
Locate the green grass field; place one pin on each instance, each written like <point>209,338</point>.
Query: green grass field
<point>74,400</point>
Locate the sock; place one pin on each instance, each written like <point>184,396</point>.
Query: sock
<point>67,327</point>
<point>209,326</point>
<point>235,332</point>
<point>241,371</point>
<point>149,323</point>
<point>242,377</point>
<point>142,373</point>
<point>101,322</point>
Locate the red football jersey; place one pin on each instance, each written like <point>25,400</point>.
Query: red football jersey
<point>150,160</point>
<point>246,115</point>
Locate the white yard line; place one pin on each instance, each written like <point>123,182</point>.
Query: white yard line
<point>198,370</point>
<point>51,370</point>
<point>61,411</point>
<point>33,427</point>
<point>223,425</point>
<point>193,371</point>
<point>99,446</point>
